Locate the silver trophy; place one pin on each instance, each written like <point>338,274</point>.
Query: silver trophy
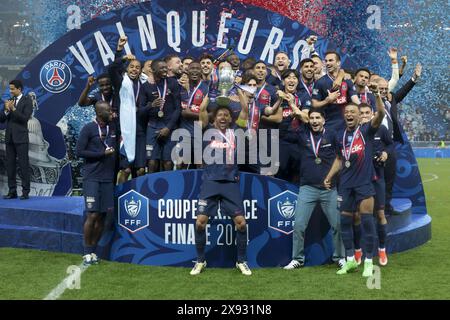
<point>226,81</point>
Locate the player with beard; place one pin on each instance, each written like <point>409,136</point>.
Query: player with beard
<point>105,93</point>
<point>186,62</point>
<point>161,105</point>
<point>306,85</point>
<point>356,191</point>
<point>281,63</point>
<point>319,68</point>
<point>252,111</point>
<point>318,153</point>
<point>220,183</point>
<point>174,66</point>
<point>235,62</point>
<point>266,96</point>
<point>97,145</point>
<point>327,94</point>
<point>362,77</point>
<point>289,116</point>
<point>192,96</point>
<point>209,74</point>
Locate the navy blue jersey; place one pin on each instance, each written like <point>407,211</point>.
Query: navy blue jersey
<point>289,126</point>
<point>192,100</point>
<point>91,146</point>
<point>274,81</point>
<point>114,103</point>
<point>312,173</point>
<point>172,104</point>
<point>368,98</point>
<point>266,94</point>
<point>334,113</point>
<point>361,154</point>
<point>305,91</point>
<point>222,146</point>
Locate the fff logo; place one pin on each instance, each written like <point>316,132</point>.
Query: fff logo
<point>281,214</point>
<point>133,211</point>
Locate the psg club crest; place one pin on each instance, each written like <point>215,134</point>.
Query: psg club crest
<point>55,76</point>
<point>133,211</point>
<point>281,213</point>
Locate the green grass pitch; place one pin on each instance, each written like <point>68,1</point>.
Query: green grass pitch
<point>420,273</point>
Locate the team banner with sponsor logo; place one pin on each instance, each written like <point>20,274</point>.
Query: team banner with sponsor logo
<point>156,223</point>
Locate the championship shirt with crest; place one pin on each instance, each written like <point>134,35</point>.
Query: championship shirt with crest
<point>361,168</point>
<point>289,126</point>
<point>305,92</point>
<point>222,147</point>
<point>334,113</point>
<point>170,90</point>
<point>311,173</point>
<point>192,100</point>
<point>91,145</point>
<point>266,94</point>
<point>368,97</point>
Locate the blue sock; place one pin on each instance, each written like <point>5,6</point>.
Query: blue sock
<point>347,234</point>
<point>357,235</point>
<point>200,244</point>
<point>368,226</point>
<point>241,243</point>
<point>381,229</point>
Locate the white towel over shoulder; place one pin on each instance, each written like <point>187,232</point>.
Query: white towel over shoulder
<point>128,118</point>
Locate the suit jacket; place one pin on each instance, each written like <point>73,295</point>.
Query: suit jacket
<point>397,97</point>
<point>17,121</point>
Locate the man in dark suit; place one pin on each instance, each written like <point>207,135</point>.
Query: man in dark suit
<point>16,113</point>
<point>391,101</point>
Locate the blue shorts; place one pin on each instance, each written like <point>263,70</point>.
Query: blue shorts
<point>140,160</point>
<point>349,198</point>
<point>380,194</point>
<point>158,149</point>
<point>227,192</point>
<point>98,196</point>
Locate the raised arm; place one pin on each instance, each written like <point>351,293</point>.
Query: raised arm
<point>84,100</point>
<point>403,91</point>
<point>395,73</point>
<point>379,115</point>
